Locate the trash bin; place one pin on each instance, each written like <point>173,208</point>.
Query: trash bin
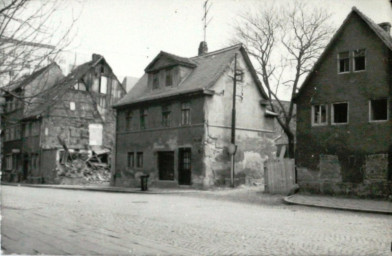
<point>143,182</point>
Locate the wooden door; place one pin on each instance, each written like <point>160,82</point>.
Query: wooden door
<point>166,165</point>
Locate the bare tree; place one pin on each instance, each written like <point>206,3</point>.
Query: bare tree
<point>29,38</point>
<point>285,42</point>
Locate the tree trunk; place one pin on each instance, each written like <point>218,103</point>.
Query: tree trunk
<point>291,146</point>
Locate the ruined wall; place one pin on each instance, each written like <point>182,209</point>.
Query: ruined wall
<point>156,138</point>
<point>338,158</point>
<point>253,130</point>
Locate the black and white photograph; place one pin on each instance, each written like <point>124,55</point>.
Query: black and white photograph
<point>196,127</point>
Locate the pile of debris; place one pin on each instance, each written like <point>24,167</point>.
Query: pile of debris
<point>82,167</point>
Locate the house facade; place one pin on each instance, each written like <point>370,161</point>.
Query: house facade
<point>175,124</point>
<point>344,127</point>
<point>72,111</point>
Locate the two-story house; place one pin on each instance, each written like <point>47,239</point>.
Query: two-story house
<point>175,124</point>
<point>344,128</point>
<point>54,110</point>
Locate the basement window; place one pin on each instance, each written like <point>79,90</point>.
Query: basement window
<point>359,60</point>
<point>344,62</point>
<point>319,114</point>
<point>340,113</point>
<point>378,110</point>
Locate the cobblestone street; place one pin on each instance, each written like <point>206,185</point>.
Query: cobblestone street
<point>50,221</point>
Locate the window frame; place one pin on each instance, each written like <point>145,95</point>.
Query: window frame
<point>348,59</point>
<point>131,160</point>
<point>72,103</point>
<point>143,118</point>
<point>353,57</point>
<point>333,113</point>
<point>370,111</point>
<point>166,114</point>
<point>313,115</point>
<point>155,80</point>
<point>128,120</point>
<point>185,109</point>
<point>169,73</point>
<point>106,85</point>
<point>139,159</point>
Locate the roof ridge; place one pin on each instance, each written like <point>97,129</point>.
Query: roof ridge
<point>219,51</point>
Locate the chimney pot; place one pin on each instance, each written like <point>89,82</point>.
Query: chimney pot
<point>203,48</point>
<point>386,26</point>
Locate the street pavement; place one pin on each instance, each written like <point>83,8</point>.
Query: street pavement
<point>60,222</point>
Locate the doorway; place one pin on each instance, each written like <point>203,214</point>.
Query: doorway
<point>166,165</point>
<point>184,166</point>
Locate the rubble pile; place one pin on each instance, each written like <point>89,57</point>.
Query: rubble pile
<point>88,171</point>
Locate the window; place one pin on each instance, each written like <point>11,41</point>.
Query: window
<point>319,114</point>
<point>104,85</point>
<point>139,159</point>
<point>239,75</point>
<point>166,116</point>
<point>169,77</point>
<point>128,120</point>
<point>378,110</point>
<point>72,106</point>
<point>340,113</point>
<point>7,134</point>
<point>102,101</point>
<point>343,62</point>
<point>359,60</point>
<point>185,113</point>
<point>80,86</point>
<point>143,118</point>
<point>8,162</point>
<point>131,159</point>
<point>155,81</point>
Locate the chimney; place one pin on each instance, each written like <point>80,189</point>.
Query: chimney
<point>96,56</point>
<point>386,26</point>
<point>203,48</point>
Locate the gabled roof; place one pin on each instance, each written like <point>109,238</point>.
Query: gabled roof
<point>174,58</point>
<point>55,93</point>
<point>208,69</point>
<point>29,78</point>
<point>381,34</point>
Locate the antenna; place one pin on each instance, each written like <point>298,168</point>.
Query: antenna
<point>206,21</point>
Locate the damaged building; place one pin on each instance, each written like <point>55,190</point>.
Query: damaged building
<point>344,143</point>
<point>175,124</point>
<point>51,120</point>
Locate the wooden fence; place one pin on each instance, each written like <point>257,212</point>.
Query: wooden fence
<point>279,176</point>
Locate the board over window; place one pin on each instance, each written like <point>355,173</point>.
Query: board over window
<point>340,113</point>
<point>378,110</point>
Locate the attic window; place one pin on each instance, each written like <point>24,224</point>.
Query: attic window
<point>378,110</point>
<point>359,60</point>
<point>155,81</point>
<point>80,86</point>
<point>340,113</point>
<point>343,62</point>
<point>169,77</point>
<point>319,114</point>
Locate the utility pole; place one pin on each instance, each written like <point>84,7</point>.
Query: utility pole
<point>233,148</point>
<point>205,19</point>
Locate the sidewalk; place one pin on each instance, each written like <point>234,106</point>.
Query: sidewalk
<point>350,204</point>
<point>104,188</point>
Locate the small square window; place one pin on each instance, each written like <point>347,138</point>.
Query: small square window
<point>359,60</point>
<point>72,106</point>
<point>131,159</point>
<point>378,110</point>
<point>343,62</point>
<point>340,113</point>
<point>139,159</point>
<point>319,114</point>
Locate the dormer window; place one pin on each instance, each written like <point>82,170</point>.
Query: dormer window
<point>155,81</point>
<point>169,77</point>
<point>359,60</point>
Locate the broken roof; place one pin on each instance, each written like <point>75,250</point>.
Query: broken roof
<point>207,69</point>
<point>380,32</point>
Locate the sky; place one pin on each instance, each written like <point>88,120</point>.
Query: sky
<point>130,33</point>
